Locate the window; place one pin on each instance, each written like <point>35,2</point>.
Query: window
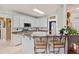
<point>75,21</point>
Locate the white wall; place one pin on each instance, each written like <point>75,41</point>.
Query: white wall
<point>61,18</point>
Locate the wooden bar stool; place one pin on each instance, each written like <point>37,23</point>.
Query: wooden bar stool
<point>40,44</point>
<point>56,43</point>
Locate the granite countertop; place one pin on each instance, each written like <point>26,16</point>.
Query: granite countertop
<point>22,33</point>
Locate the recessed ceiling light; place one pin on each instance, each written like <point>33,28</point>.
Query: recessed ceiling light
<point>38,11</point>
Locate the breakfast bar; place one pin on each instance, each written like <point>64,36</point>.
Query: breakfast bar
<point>32,41</point>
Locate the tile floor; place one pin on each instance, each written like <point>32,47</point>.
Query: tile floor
<point>4,49</point>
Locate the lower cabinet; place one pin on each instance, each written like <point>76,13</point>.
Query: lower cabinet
<point>27,45</point>
<point>16,40</point>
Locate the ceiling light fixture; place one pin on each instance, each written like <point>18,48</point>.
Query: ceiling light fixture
<point>38,11</point>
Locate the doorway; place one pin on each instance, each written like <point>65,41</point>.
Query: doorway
<point>8,29</point>
<point>52,27</point>
<point>5,29</point>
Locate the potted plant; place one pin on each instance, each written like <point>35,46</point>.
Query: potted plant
<point>72,31</point>
<point>63,30</point>
<point>68,31</point>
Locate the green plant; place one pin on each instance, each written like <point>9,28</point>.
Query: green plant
<point>69,31</point>
<point>63,30</point>
<point>72,31</point>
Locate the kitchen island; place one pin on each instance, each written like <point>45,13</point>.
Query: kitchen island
<point>25,38</point>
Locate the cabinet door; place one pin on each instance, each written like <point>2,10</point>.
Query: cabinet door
<point>25,19</point>
<point>16,39</point>
<point>16,21</point>
<point>28,45</point>
<point>28,19</point>
<point>33,22</point>
<point>43,22</point>
<point>36,23</point>
<point>22,20</point>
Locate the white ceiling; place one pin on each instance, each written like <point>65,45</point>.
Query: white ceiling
<point>27,8</point>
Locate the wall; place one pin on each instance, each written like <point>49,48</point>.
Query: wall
<point>60,18</point>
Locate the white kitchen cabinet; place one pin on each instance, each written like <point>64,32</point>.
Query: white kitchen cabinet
<point>36,22</point>
<point>16,40</point>
<point>42,22</point>
<point>33,22</point>
<point>16,21</point>
<point>27,45</point>
<point>28,19</point>
<point>22,20</point>
<point>25,19</point>
<point>39,22</point>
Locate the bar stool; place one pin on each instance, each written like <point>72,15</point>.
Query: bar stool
<point>56,43</point>
<point>40,44</point>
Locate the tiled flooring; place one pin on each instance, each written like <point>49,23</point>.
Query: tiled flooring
<point>10,50</point>
<point>4,49</point>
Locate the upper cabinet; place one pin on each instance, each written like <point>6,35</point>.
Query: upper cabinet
<point>43,22</point>
<point>35,22</point>
<point>15,21</point>
<point>19,20</point>
<point>22,20</point>
<point>26,19</point>
<point>39,22</point>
